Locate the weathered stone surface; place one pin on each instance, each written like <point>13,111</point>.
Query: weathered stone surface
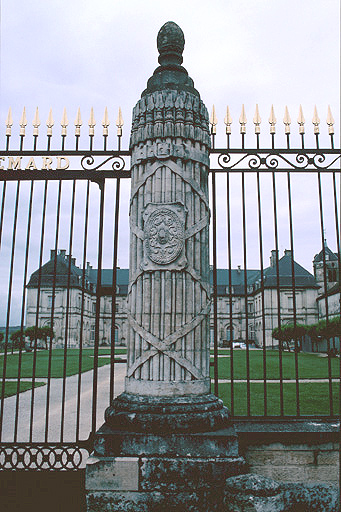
<point>115,473</point>
<point>222,443</point>
<point>173,474</point>
<point>190,501</point>
<point>249,492</point>
<point>138,413</point>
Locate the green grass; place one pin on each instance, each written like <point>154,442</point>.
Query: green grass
<point>314,398</point>
<point>57,363</point>
<point>310,366</point>
<point>11,387</point>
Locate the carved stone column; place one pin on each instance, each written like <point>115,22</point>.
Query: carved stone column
<point>167,429</point>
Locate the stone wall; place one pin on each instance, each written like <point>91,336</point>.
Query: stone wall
<point>300,452</point>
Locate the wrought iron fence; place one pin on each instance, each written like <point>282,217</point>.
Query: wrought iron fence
<point>72,199</point>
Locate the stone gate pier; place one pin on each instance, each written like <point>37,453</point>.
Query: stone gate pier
<point>167,443</point>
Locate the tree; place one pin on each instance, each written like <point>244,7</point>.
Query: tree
<point>1,336</point>
<point>287,333</point>
<point>35,333</point>
<point>18,339</point>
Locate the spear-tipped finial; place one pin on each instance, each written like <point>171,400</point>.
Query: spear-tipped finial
<point>23,123</point>
<point>330,121</point>
<point>105,122</point>
<point>243,120</point>
<point>316,121</point>
<point>272,120</point>
<point>92,123</point>
<point>257,120</point>
<point>287,120</point>
<point>228,121</point>
<point>49,123</point>
<point>301,121</point>
<point>213,121</point>
<point>9,122</point>
<point>119,122</point>
<point>36,124</point>
<point>64,123</point>
<point>78,123</point>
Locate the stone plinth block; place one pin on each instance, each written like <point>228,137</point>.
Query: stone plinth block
<point>111,443</point>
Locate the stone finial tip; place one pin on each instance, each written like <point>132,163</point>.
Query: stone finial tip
<point>171,39</point>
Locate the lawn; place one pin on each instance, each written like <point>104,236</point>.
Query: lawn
<point>11,387</point>
<point>310,366</point>
<point>57,363</point>
<point>314,398</point>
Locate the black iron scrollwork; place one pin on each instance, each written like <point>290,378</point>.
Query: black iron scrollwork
<point>274,160</point>
<point>88,163</point>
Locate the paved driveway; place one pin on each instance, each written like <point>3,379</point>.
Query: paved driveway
<point>70,415</point>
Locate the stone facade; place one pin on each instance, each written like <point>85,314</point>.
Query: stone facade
<point>308,308</point>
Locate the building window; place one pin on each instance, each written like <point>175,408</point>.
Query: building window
<point>94,308</point>
<point>92,333</point>
<point>49,301</point>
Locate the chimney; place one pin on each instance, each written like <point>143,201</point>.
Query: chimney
<point>287,252</point>
<point>273,258</point>
<point>239,269</point>
<point>62,252</point>
<point>52,254</point>
<point>73,261</point>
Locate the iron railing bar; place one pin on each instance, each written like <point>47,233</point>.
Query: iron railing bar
<point>293,287</point>
<point>280,348</point>
<point>113,297</point>
<point>8,313</point>
<point>271,150</point>
<point>23,304</point>
<point>42,237</point>
<point>77,152</point>
<point>2,209</point>
<point>307,170</point>
<point>56,175</point>
<point>215,299</point>
<point>67,313</point>
<point>54,279</point>
<point>84,285</point>
<point>325,284</point>
<point>248,387</point>
<point>337,230</point>
<point>260,235</point>
<point>98,305</point>
<point>229,255</point>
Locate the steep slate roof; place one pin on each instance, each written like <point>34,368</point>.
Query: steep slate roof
<point>331,255</point>
<point>62,269</point>
<point>303,278</point>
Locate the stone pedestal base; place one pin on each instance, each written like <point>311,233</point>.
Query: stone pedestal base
<point>152,455</point>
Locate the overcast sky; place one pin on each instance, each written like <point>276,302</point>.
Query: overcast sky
<point>86,53</point>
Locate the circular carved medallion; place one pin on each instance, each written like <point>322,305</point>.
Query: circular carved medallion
<point>164,236</point>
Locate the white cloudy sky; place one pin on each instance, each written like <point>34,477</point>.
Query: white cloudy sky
<point>84,53</point>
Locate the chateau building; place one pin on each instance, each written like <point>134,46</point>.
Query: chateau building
<point>72,309</point>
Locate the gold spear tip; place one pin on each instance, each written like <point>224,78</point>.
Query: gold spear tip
<point>50,121</point>
<point>272,118</point>
<point>213,117</point>
<point>64,121</point>
<point>257,119</point>
<point>228,118</point>
<point>119,121</point>
<point>286,118</point>
<point>105,122</point>
<point>78,120</point>
<point>316,119</point>
<point>23,120</point>
<point>92,121</point>
<point>9,120</point>
<point>300,118</point>
<point>242,119</point>
<point>36,120</point>
<point>330,119</point>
